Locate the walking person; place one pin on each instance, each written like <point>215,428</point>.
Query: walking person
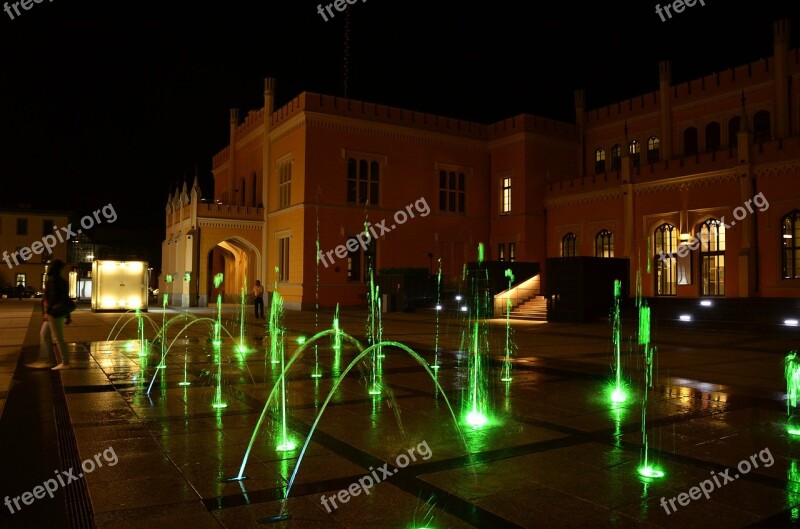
<point>56,309</point>
<point>258,299</point>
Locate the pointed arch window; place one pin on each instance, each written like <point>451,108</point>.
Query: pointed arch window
<point>569,245</point>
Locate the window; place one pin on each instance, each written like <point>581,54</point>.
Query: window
<point>283,259</point>
<point>599,161</point>
<point>506,195</point>
<point>653,149</point>
<point>285,184</point>
<point>21,279</point>
<point>452,191</point>
<point>501,252</point>
<point>360,262</point>
<point>242,192</point>
<point>690,141</point>
<point>762,130</point>
<point>713,140</point>
<point>253,198</point>
<point>604,244</point>
<point>790,245</point>
<point>569,245</point>
<point>712,258</point>
<point>363,179</point>
<point>665,246</point>
<point>616,157</point>
<point>635,149</point>
<point>512,252</point>
<point>47,227</point>
<point>22,226</point>
<point>733,131</point>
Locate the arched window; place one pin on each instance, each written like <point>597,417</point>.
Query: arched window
<point>616,157</point>
<point>690,141</point>
<point>713,140</point>
<point>712,257</point>
<point>635,149</point>
<point>599,161</point>
<point>733,131</point>
<point>762,130</point>
<point>569,245</point>
<point>604,244</point>
<point>253,189</point>
<point>653,149</point>
<point>242,192</point>
<point>665,246</point>
<point>790,245</point>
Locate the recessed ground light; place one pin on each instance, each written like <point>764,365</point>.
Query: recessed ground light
<point>464,308</point>
<point>438,307</point>
<point>706,303</point>
<point>791,323</point>
<point>685,317</point>
<point>458,298</point>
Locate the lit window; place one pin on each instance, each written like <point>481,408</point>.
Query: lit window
<point>604,244</point>
<point>285,184</point>
<point>506,195</point>
<point>653,149</point>
<point>665,257</point>
<point>283,259</point>
<point>501,252</point>
<point>616,157</point>
<point>712,257</point>
<point>635,149</point>
<point>512,252</point>
<point>599,161</point>
<point>790,245</point>
<point>569,245</point>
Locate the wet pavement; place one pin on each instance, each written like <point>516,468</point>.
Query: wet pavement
<point>554,453</point>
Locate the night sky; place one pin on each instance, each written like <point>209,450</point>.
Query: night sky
<point>117,102</point>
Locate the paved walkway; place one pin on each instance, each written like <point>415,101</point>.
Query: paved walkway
<point>556,453</point>
<point>15,317</point>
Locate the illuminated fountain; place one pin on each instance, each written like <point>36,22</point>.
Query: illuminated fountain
<point>506,373</point>
<point>646,469</point>
<point>792,374</point>
<point>476,342</point>
<point>374,336</point>
<point>618,390</point>
<point>218,401</point>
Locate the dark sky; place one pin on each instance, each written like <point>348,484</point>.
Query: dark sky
<point>114,102</point>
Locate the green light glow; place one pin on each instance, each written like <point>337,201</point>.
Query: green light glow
<point>218,280</point>
<point>619,395</point>
<point>169,278</point>
<point>286,446</point>
<point>301,340</point>
<point>650,472</point>
<point>476,419</point>
<point>644,325</point>
<point>480,252</point>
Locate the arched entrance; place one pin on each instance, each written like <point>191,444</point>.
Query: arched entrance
<point>239,262</point>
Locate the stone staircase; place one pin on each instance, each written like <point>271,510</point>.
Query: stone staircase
<point>534,309</point>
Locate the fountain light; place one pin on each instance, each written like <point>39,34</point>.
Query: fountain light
<point>476,419</point>
<point>650,472</point>
<point>791,323</point>
<point>438,307</point>
<point>685,317</point>
<point>706,303</point>
<point>464,308</point>
<point>458,298</point>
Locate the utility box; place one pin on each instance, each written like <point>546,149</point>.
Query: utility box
<point>120,285</point>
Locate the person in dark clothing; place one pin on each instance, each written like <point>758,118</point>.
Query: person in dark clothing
<point>55,308</point>
<point>258,299</point>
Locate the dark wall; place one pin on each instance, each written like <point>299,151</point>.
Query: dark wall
<point>581,289</point>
